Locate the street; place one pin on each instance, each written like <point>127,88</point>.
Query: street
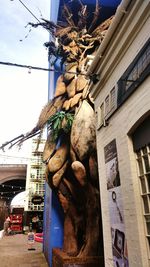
<point>14,252</point>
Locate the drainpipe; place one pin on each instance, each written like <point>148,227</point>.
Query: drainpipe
<point>121,10</point>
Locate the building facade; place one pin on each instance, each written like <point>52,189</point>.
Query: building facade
<point>35,182</point>
<point>122,104</point>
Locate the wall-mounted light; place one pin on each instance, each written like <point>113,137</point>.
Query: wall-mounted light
<point>105,123</point>
<point>95,78</point>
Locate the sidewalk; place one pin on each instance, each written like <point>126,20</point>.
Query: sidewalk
<point>14,252</point>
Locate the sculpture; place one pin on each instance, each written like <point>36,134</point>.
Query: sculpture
<point>70,149</point>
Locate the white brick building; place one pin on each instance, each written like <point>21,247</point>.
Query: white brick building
<point>35,182</point>
<point>122,104</point>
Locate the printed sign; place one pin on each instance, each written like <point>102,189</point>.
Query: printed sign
<point>119,242</point>
<point>37,200</point>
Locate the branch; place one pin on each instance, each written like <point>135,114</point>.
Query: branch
<point>96,15</point>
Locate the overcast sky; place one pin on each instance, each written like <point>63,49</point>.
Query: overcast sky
<point>22,95</point>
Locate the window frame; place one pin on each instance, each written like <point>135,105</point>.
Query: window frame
<point>123,91</point>
<point>143,176</point>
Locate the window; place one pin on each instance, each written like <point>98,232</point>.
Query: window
<point>135,74</point>
<point>107,108</point>
<point>100,116</point>
<point>102,111</point>
<point>107,105</point>
<point>112,99</point>
<point>143,160</point>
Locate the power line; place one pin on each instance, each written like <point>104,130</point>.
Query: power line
<point>25,66</point>
<point>40,68</point>
<point>28,10</point>
<point>31,13</point>
<point>93,77</point>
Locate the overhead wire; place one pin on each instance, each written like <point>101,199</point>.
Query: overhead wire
<point>41,68</point>
<point>28,10</point>
<point>31,13</point>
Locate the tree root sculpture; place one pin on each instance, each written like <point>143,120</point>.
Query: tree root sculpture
<point>70,149</point>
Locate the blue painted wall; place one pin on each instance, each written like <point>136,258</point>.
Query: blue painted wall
<point>108,8</point>
<point>107,3</point>
<point>53,214</point>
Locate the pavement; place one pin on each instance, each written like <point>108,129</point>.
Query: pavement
<point>14,252</point>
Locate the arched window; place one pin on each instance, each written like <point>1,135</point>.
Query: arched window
<point>141,144</point>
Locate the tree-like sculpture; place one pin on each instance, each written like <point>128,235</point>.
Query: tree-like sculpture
<point>70,149</point>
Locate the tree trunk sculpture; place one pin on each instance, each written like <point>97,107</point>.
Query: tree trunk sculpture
<point>70,149</point>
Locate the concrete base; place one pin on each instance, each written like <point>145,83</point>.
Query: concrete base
<point>61,259</point>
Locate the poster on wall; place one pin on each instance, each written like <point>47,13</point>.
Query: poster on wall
<point>119,242</point>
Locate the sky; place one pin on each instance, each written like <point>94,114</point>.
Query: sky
<point>22,94</point>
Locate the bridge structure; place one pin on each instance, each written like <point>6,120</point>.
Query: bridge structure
<point>12,180</point>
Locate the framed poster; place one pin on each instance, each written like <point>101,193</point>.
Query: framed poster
<point>119,242</point>
<point>111,161</point>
